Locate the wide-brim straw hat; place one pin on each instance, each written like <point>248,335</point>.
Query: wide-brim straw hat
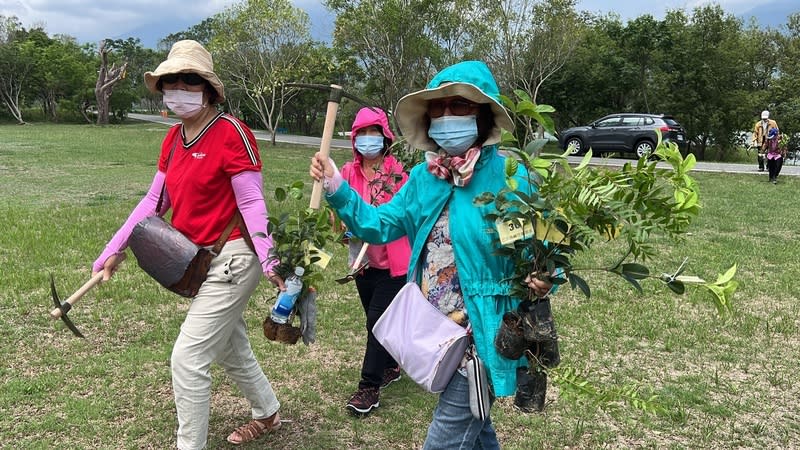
<point>186,56</point>
<point>471,80</point>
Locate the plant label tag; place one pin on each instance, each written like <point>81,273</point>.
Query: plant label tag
<point>550,233</point>
<point>324,257</point>
<point>513,230</point>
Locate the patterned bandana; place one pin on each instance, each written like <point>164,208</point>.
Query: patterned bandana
<point>455,169</point>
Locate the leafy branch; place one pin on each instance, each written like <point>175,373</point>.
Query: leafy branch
<point>575,208</point>
<point>299,235</point>
<point>573,383</point>
<point>572,209</point>
<point>383,184</point>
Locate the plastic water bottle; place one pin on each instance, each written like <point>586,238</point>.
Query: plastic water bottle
<point>286,299</point>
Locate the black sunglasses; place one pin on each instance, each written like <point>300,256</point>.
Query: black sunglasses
<point>190,79</point>
<point>457,106</point>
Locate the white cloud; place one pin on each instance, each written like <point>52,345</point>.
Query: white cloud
<point>90,21</point>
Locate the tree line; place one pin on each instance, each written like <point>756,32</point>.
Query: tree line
<point>711,70</point>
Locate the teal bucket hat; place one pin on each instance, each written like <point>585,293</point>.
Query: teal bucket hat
<point>471,80</point>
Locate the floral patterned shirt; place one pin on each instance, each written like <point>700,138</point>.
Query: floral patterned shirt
<point>440,283</point>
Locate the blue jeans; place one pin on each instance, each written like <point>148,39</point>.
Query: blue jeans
<point>453,426</point>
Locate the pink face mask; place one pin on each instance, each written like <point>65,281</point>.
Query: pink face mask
<point>185,104</point>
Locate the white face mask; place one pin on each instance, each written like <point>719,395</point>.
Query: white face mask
<point>454,134</point>
<point>369,146</point>
<point>185,104</point>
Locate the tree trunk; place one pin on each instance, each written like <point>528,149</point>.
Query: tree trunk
<point>106,79</point>
<point>701,152</point>
<point>50,104</point>
<point>10,97</point>
<point>16,112</point>
<point>84,106</point>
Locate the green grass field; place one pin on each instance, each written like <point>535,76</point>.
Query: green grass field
<point>64,190</point>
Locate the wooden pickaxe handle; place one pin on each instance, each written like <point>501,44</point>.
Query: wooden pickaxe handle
<point>94,281</point>
<point>325,143</point>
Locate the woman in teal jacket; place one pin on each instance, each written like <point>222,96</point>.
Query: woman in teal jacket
<point>457,118</point>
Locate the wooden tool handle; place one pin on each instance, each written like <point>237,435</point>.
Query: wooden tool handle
<point>360,256</point>
<point>94,281</point>
<point>325,147</point>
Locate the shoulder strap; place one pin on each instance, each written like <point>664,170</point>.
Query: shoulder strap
<point>164,186</point>
<point>236,220</point>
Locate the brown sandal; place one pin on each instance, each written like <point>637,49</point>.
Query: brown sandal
<point>254,429</point>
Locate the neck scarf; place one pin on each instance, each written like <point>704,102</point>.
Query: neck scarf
<point>455,169</point>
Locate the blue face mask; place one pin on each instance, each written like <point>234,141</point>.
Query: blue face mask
<point>454,134</point>
<point>369,146</point>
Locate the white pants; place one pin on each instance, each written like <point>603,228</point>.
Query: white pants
<point>215,330</point>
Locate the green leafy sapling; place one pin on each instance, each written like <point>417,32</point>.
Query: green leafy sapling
<point>577,207</point>
<point>299,235</point>
<point>574,208</point>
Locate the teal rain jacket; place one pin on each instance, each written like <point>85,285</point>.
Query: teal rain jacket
<point>415,209</point>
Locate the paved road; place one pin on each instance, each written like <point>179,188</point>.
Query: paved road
<point>792,168</point>
<point>260,135</point>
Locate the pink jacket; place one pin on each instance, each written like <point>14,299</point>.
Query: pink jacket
<point>394,177</point>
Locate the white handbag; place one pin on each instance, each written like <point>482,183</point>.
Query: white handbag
<point>426,343</point>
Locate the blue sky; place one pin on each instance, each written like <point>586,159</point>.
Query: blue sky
<point>93,20</point>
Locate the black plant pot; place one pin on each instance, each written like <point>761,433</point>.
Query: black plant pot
<point>510,341</point>
<point>537,321</point>
<point>531,390</point>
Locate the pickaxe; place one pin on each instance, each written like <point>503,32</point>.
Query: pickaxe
<point>62,309</point>
<point>334,98</point>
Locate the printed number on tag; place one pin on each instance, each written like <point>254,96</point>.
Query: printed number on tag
<point>513,230</point>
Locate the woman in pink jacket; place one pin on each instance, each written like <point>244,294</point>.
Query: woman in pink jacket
<point>376,175</point>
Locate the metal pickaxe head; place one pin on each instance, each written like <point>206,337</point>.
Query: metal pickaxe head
<point>63,308</point>
<point>352,275</point>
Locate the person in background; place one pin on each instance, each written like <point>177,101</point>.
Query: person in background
<point>376,176</point>
<point>760,131</point>
<point>210,168</point>
<point>775,154</point>
<point>457,118</point>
